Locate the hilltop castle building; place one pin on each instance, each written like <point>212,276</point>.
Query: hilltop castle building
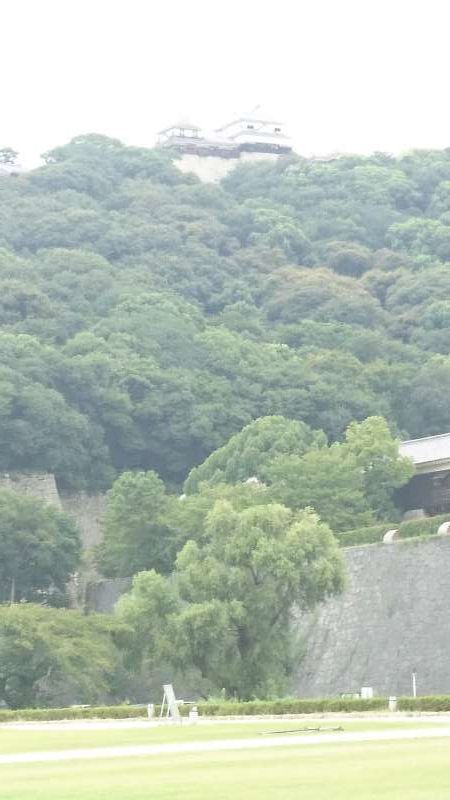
<point>254,136</point>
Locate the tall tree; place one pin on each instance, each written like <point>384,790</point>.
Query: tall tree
<point>39,549</point>
<point>55,656</point>
<point>376,453</point>
<point>136,534</point>
<point>236,593</point>
<point>327,480</point>
<point>250,452</point>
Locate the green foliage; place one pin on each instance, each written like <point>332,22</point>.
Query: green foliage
<point>287,325</point>
<point>272,459</point>
<point>147,611</point>
<point>408,530</point>
<point>136,533</point>
<point>422,527</point>
<point>45,651</point>
<point>291,705</point>
<point>39,549</point>
<point>346,483</point>
<point>227,609</point>
<point>73,712</point>
<point>293,294</point>
<point>188,515</point>
<point>348,258</point>
<point>366,535</point>
<point>327,480</point>
<point>431,703</point>
<point>376,453</point>
<point>250,452</point>
<point>228,708</point>
<point>145,318</point>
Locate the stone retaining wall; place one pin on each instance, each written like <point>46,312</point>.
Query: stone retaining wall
<point>393,618</point>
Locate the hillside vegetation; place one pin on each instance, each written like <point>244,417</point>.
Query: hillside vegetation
<point>146,318</point>
<point>235,364</point>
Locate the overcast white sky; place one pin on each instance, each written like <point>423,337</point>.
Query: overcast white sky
<point>353,75</point>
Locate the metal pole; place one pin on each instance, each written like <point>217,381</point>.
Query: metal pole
<point>414,684</point>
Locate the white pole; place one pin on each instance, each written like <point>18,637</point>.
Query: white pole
<point>414,685</point>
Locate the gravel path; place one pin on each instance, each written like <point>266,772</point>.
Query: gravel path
<point>225,744</point>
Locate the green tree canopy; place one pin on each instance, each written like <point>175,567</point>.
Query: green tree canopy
<point>327,480</point>
<point>39,549</point>
<point>167,314</point>
<point>376,453</point>
<point>136,531</point>
<point>250,452</point>
<point>53,656</point>
<point>228,609</point>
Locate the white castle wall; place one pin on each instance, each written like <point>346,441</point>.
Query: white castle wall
<point>211,169</point>
<point>249,156</point>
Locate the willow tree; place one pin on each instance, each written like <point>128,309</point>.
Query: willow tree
<point>229,608</point>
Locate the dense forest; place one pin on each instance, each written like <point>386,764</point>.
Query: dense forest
<point>146,317</point>
<point>234,364</point>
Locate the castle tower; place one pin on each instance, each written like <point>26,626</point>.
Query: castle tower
<point>257,132</point>
<point>253,136</point>
<point>182,136</point>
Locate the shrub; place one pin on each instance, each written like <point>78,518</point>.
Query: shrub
<point>209,709</point>
<point>431,703</point>
<point>339,705</point>
<point>409,529</point>
<point>98,712</point>
<point>422,527</point>
<point>290,706</point>
<point>357,536</point>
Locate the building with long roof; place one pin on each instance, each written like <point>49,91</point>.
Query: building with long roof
<point>429,489</point>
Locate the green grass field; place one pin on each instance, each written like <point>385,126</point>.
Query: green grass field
<point>397,770</point>
<point>34,739</point>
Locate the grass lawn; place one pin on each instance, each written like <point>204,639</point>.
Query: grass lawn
<point>402,770</point>
<point>395,770</point>
<point>33,739</point>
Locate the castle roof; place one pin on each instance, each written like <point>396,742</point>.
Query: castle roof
<point>183,124</point>
<point>428,454</point>
<point>257,114</point>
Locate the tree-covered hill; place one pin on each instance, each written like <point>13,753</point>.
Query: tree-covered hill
<point>145,318</point>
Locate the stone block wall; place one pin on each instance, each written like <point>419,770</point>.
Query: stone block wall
<point>41,485</point>
<point>87,511</point>
<point>392,618</point>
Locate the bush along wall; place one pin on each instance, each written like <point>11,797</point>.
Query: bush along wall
<point>435,703</point>
<point>431,703</point>
<point>206,709</point>
<point>409,529</point>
